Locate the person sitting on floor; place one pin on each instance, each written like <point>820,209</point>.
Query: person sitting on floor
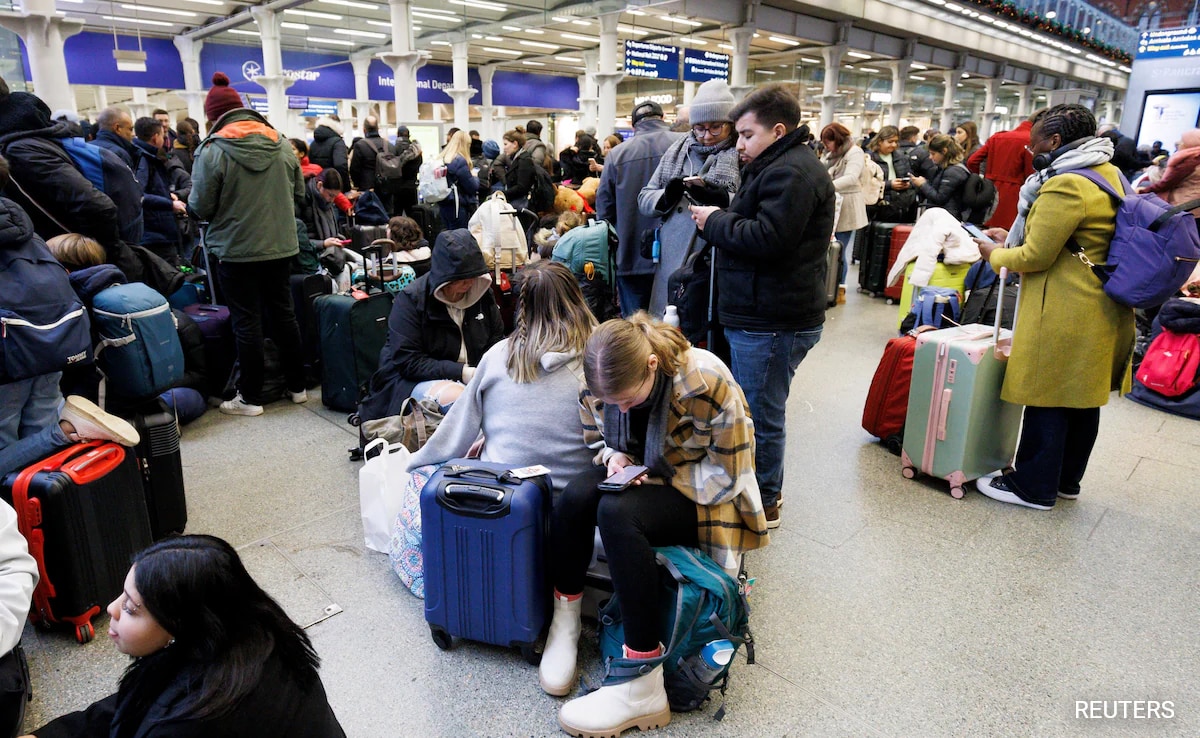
<point>213,654</point>
<point>653,399</point>
<point>411,245</point>
<point>439,328</point>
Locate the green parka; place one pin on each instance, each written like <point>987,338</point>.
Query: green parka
<point>245,182</point>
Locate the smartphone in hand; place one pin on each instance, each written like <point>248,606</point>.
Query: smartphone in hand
<point>688,196</point>
<point>622,479</point>
<point>976,232</point>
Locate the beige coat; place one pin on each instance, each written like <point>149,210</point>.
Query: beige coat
<point>1072,345</point>
<point>846,172</point>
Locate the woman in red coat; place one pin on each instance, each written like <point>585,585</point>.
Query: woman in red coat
<point>1009,164</point>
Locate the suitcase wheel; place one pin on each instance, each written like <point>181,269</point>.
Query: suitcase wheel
<point>529,652</point>
<point>894,443</point>
<point>909,472</point>
<point>356,453</point>
<point>84,632</point>
<point>890,301</point>
<point>441,638</point>
<point>354,420</point>
<point>956,492</point>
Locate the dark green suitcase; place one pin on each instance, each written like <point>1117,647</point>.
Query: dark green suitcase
<point>353,332</point>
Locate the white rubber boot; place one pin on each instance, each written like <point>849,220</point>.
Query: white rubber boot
<point>558,668</point>
<point>638,703</point>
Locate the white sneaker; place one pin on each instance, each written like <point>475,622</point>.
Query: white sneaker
<point>299,397</point>
<point>93,424</point>
<point>238,406</point>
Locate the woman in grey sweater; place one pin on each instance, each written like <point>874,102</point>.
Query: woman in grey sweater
<point>524,396</point>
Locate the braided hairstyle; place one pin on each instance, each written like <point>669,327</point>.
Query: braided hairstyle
<point>1071,122</point>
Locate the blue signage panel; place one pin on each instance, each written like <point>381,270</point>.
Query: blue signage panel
<point>317,108</point>
<point>521,89</point>
<point>90,61</point>
<point>1173,42</point>
<point>297,103</point>
<point>315,74</point>
<point>651,61</point>
<point>701,66</point>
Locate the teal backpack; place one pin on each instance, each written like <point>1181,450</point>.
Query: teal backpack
<point>588,251</point>
<point>700,604</point>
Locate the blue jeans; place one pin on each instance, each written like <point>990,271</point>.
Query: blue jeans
<point>846,239</point>
<point>633,292</point>
<point>764,363</point>
<point>29,429</point>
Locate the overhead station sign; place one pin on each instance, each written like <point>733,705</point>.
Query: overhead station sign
<point>701,66</point>
<point>1172,42</point>
<point>651,61</point>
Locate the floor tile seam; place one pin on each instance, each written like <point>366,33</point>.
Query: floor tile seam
<point>823,700</point>
<point>328,597</point>
<point>301,524</point>
<point>1096,525</point>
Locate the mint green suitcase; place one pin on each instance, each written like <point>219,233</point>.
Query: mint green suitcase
<point>957,427</point>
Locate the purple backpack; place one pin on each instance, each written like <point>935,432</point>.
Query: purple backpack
<point>1153,251</point>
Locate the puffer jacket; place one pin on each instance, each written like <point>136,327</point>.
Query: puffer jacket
<point>329,150</point>
<point>424,342</point>
<point>158,211</point>
<point>245,182</point>
<point>945,189</point>
<point>772,241</point>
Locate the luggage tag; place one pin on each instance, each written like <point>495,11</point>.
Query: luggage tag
<point>529,472</point>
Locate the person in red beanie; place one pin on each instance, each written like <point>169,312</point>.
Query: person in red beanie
<point>245,182</point>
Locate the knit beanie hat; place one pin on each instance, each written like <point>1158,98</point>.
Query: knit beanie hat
<point>712,103</point>
<point>491,149</point>
<point>221,98</point>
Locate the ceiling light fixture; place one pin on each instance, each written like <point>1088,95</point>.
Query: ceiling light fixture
<point>333,41</point>
<point>858,55</point>
<point>351,4</point>
<point>481,5</point>
<point>363,34</point>
<point>494,50</point>
<point>313,14</point>
<point>782,40</point>
<point>533,64</point>
<point>294,26</point>
<point>577,37</point>
<point>139,21</point>
<point>164,11</point>
<point>431,16</point>
<point>243,32</point>
<point>540,45</point>
<point>568,58</point>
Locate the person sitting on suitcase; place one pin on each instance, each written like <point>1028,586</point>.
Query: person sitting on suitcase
<point>439,328</point>
<point>411,246</point>
<point>651,399</point>
<point>537,369</point>
<point>1072,344</point>
<point>213,654</point>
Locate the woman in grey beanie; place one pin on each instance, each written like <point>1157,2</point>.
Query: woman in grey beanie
<point>707,152</point>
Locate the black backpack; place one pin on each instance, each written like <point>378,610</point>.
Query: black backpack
<point>979,197</point>
<point>542,191</point>
<point>389,166</point>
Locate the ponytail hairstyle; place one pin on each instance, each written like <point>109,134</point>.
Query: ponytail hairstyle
<point>552,316</point>
<point>616,355</point>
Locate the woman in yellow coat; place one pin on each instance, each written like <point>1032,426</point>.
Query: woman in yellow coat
<point>1072,344</point>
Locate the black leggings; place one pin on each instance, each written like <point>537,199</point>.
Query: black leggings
<point>631,523</point>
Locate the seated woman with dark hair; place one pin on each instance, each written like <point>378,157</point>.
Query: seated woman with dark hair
<point>411,245</point>
<point>213,654</point>
<point>320,218</point>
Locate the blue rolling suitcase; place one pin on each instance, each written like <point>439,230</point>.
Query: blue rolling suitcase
<point>483,539</point>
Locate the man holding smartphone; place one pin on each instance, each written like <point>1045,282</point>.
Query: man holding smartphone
<point>771,262</point>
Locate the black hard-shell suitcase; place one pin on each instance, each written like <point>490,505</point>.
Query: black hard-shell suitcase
<point>362,236</point>
<point>83,514</point>
<point>872,273</point>
<point>352,333</point>
<point>306,288</point>
<point>483,537</point>
<point>429,218</point>
<point>162,467</point>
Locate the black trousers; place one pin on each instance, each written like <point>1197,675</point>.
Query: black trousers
<point>632,523</point>
<point>254,291</point>
<point>1056,443</point>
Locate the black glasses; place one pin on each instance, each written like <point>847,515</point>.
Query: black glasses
<point>712,129</point>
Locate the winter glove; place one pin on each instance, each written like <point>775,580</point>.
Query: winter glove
<point>671,195</point>
<point>707,193</point>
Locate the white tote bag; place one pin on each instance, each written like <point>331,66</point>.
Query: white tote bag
<point>381,491</point>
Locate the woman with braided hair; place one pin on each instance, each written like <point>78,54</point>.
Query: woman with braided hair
<point>524,395</point>
<point>1072,344</point>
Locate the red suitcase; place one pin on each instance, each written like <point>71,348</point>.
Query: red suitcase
<point>84,516</point>
<point>900,236</point>
<point>887,400</point>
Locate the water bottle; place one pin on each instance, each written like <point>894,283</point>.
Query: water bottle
<point>671,316</point>
<point>714,657</point>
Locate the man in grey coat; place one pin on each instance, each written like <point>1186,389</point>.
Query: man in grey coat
<point>626,171</point>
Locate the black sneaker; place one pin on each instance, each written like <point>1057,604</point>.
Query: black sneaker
<point>998,488</point>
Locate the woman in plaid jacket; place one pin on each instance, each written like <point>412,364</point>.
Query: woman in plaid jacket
<point>651,399</point>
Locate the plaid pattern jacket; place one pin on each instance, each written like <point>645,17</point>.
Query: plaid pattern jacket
<point>710,443</point>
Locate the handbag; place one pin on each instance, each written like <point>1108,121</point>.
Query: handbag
<point>412,428</point>
<point>381,492</point>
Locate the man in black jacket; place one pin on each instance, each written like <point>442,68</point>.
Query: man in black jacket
<point>405,196</point>
<point>327,148</point>
<point>771,265</point>
<point>116,134</point>
<point>161,207</point>
<point>362,161</point>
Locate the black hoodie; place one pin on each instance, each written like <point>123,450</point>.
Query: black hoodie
<point>424,342</point>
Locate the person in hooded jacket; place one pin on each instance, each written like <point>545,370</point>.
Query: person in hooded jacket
<point>440,326</point>
<point>245,182</point>
<point>404,197</point>
<point>328,148</point>
<point>54,193</point>
<point>161,208</point>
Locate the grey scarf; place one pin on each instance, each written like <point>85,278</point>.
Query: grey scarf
<point>718,170</point>
<point>1093,152</point>
<point>324,217</point>
<point>616,427</point>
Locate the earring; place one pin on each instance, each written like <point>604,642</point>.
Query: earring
<point>170,643</point>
